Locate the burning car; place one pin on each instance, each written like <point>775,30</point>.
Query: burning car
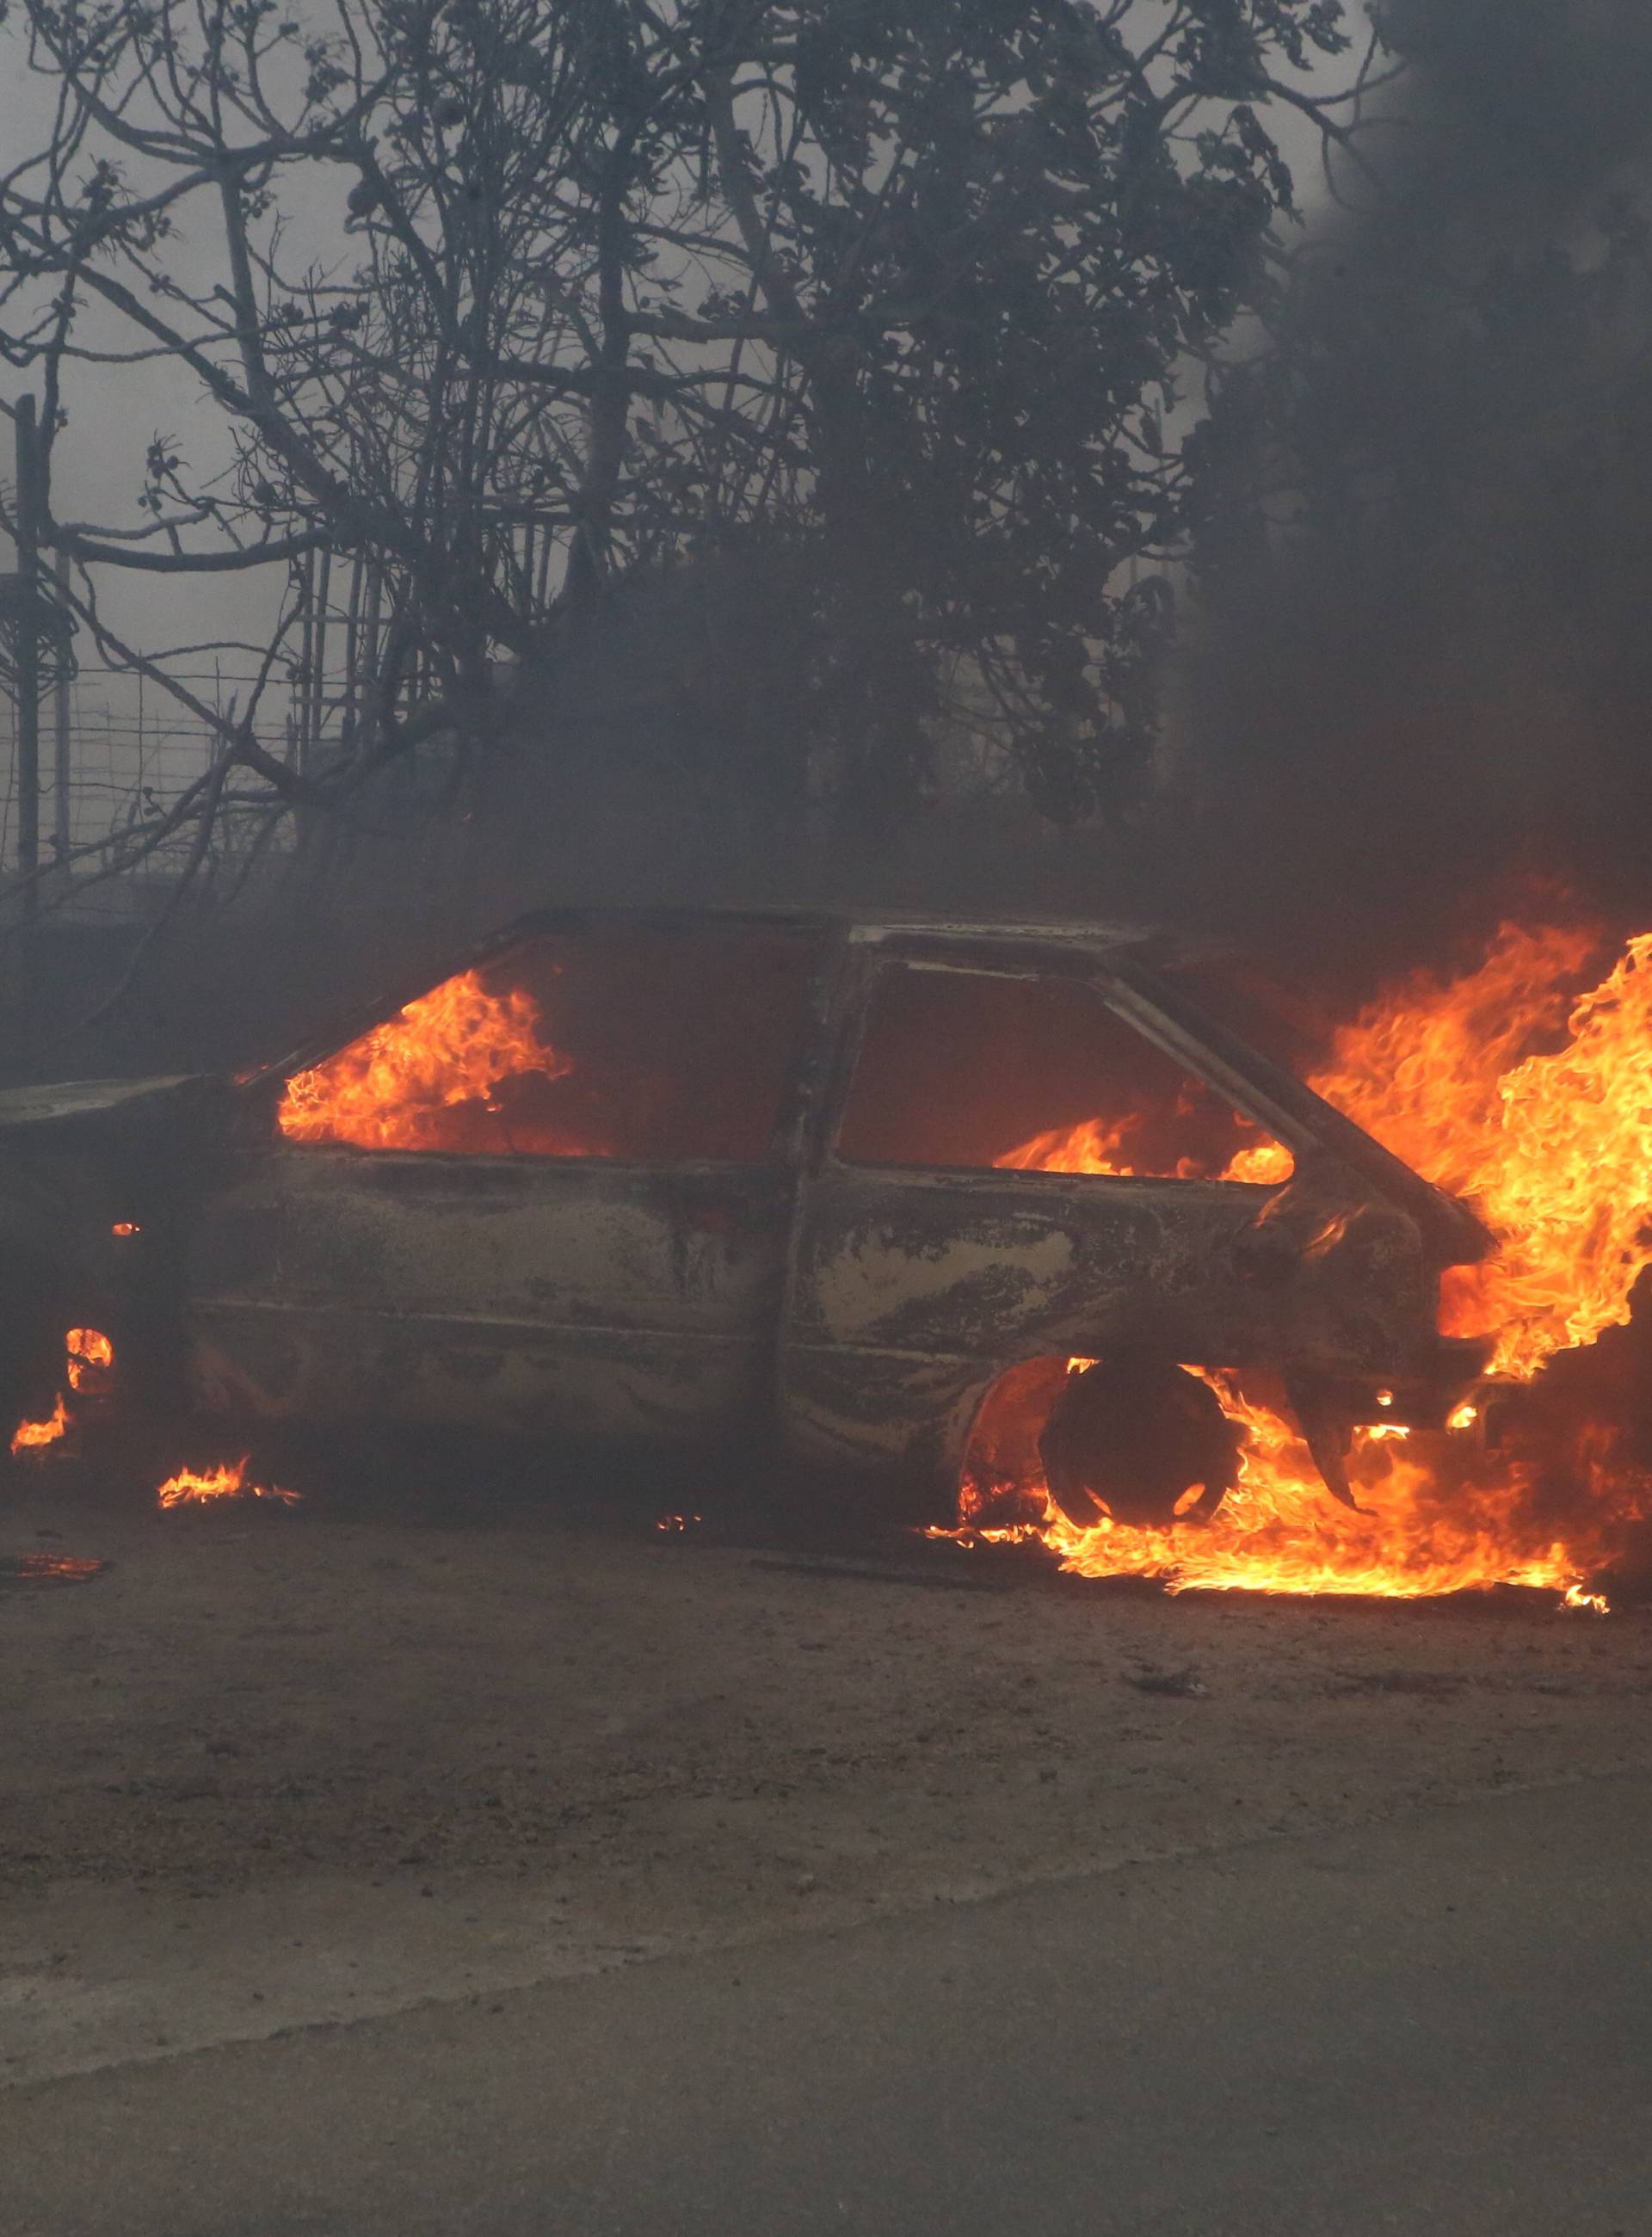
<point>881,1205</point>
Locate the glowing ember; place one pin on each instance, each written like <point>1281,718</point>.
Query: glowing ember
<point>34,1436</point>
<point>401,1086</point>
<point>1537,1109</point>
<point>48,1568</point>
<point>201,1487</point>
<point>124,1227</point>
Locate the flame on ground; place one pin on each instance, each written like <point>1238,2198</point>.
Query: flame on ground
<point>48,1568</point>
<point>34,1436</point>
<point>1536,1106</point>
<point>402,1085</point>
<point>201,1487</point>
<point>89,1367</point>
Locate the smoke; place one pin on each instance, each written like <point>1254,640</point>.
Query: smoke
<point>1419,681</point>
<point>1424,673</point>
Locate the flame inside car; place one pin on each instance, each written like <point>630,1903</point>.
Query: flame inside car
<point>428,1079</point>
<point>1522,1085</point>
<point>1533,1104</point>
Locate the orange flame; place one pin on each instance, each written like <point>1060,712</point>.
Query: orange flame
<point>1424,1530</point>
<point>89,1363</point>
<point>1536,1108</point>
<point>90,1357</point>
<point>1097,1145</point>
<point>1552,1148</point>
<point>33,1436</point>
<point>1093,1147</point>
<point>200,1487</point>
<point>402,1085</point>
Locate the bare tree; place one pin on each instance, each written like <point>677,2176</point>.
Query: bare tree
<point>507,302</point>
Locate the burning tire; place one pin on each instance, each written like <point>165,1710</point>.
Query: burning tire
<point>1134,1437</point>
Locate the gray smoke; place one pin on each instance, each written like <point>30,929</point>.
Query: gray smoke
<point>1425,674</point>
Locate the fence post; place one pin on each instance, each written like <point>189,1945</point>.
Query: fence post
<point>62,774</point>
<point>28,494</point>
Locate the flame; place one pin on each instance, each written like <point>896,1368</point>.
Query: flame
<point>1552,1148</point>
<point>200,1487</point>
<point>1586,1603</point>
<point>402,1085</point>
<point>1422,1532</point>
<point>89,1363</point>
<point>1093,1147</point>
<point>1534,1105</point>
<point>90,1357</point>
<point>1097,1145</point>
<point>48,1568</point>
<point>33,1436</point>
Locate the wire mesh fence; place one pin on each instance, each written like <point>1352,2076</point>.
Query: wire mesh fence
<point>118,750</point>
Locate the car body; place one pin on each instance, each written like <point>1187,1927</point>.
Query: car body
<point>829,1282</point>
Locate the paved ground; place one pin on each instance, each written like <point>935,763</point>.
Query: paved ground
<point>363,1877</point>
<point>1442,2025</point>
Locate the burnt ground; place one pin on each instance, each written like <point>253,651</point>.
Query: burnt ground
<point>274,1766</point>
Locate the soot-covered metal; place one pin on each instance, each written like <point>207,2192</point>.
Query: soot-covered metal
<point>688,1241</point>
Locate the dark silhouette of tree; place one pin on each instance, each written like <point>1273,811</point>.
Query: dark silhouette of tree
<point>885,308</point>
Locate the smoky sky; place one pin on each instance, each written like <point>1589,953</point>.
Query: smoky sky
<point>1420,683</point>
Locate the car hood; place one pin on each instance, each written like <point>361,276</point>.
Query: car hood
<point>77,1102</point>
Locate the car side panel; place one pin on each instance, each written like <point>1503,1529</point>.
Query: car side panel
<point>520,1295</point>
<point>912,1291</point>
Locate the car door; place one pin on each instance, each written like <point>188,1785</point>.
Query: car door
<point>1006,1168</point>
<point>552,1195</point>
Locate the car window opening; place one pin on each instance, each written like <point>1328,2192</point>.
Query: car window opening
<point>635,1045</point>
<point>969,1070</point>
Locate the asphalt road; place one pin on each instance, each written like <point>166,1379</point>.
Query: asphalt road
<point>1438,2024</point>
